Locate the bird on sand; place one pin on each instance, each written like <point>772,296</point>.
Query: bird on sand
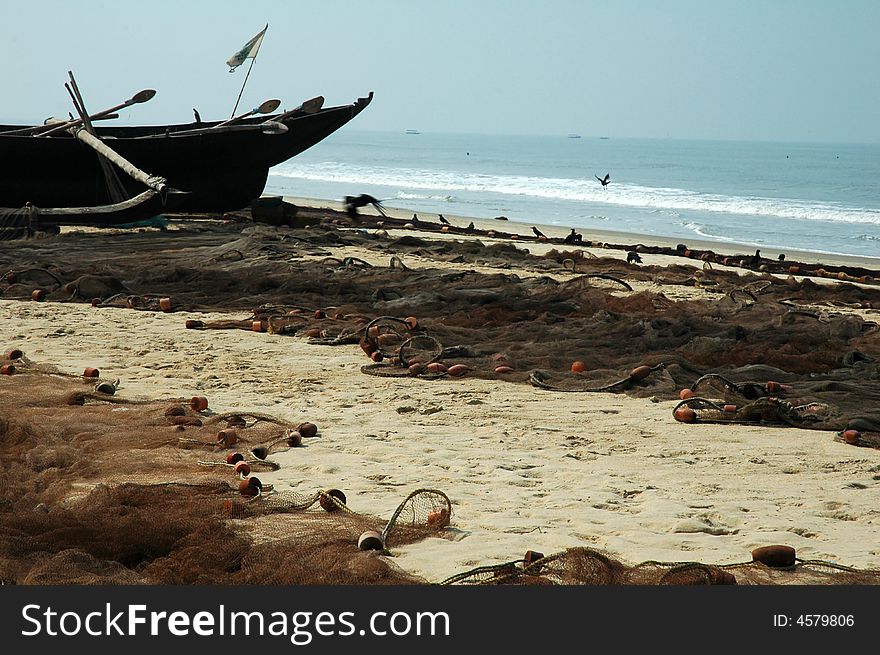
<point>470,227</point>
<point>538,232</point>
<point>604,181</point>
<point>633,257</point>
<point>443,220</point>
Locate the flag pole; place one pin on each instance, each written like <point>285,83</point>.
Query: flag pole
<point>253,59</point>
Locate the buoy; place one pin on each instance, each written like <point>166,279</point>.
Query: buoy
<point>320,313</point>
<point>415,369</point>
<point>411,322</point>
<point>7,369</point>
<point>500,370</point>
<point>794,270</point>
<point>106,387</point>
<point>234,458</point>
<point>773,387</point>
<point>841,276</point>
<point>198,403</point>
<point>685,414</point>
<point>436,367</point>
<point>326,500</point>
<point>194,325</point>
<point>91,372</point>
<point>294,439</point>
<point>531,557</point>
<point>257,326</point>
<point>775,556</point>
<point>686,393</point>
<point>227,438</point>
<point>260,452</point>
<point>13,354</point>
<point>96,302</point>
<point>250,487</point>
<point>314,333</point>
<point>578,367</point>
<point>371,540</point>
<point>457,370</point>
<point>165,304</point>
<point>640,372</point>
<point>377,357</point>
<point>445,228</point>
<point>438,517</point>
<point>730,409</point>
<point>307,430</point>
<point>242,468</point>
<point>38,295</point>
<point>852,437</point>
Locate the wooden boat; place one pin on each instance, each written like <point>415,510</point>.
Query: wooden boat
<point>222,166</point>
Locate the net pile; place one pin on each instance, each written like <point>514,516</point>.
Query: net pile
<point>817,340</point>
<point>104,490</point>
<point>587,566</point>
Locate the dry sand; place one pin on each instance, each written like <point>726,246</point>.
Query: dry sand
<point>524,468</point>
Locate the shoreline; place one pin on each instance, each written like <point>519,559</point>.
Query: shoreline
<point>604,236</point>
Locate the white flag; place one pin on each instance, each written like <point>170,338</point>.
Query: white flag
<point>249,49</point>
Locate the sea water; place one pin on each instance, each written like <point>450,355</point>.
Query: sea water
<point>823,198</point>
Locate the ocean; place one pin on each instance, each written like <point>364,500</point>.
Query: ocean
<point>823,198</point>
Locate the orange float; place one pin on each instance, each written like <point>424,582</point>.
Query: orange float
<point>685,414</point>
<point>198,403</point>
<point>91,372</point>
<point>776,556</point>
<point>686,393</point>
<point>578,367</point>
<point>327,503</point>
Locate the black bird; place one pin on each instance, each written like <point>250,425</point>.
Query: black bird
<point>353,202</point>
<point>633,256</point>
<point>604,181</point>
<point>470,227</point>
<point>756,260</point>
<point>538,232</point>
<point>415,219</point>
<point>782,256</point>
<point>574,237</point>
<point>443,220</point>
<point>196,114</point>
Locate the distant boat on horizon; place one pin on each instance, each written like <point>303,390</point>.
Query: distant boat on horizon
<point>413,132</point>
<point>604,137</point>
<point>574,136</point>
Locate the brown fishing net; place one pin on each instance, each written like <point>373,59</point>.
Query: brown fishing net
<point>817,340</point>
<point>586,566</point>
<point>97,489</point>
<point>86,463</point>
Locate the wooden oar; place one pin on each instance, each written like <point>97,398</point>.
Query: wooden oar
<point>266,108</point>
<point>86,133</point>
<point>115,189</point>
<point>52,128</point>
<point>311,106</point>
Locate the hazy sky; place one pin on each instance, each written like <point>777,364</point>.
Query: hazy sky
<point>799,70</point>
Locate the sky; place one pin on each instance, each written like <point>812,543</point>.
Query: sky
<point>763,70</point>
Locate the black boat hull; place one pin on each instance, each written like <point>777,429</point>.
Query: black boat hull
<point>222,170</point>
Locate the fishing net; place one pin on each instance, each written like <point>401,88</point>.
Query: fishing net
<point>587,566</point>
<point>97,489</point>
<point>818,340</point>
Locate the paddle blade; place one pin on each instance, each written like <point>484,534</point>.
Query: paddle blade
<point>268,107</point>
<point>142,96</point>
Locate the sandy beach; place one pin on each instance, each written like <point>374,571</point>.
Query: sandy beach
<point>525,468</point>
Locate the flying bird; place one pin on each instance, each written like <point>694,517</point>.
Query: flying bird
<point>604,181</point>
<point>538,232</point>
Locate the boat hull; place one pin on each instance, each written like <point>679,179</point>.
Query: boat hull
<point>221,171</point>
